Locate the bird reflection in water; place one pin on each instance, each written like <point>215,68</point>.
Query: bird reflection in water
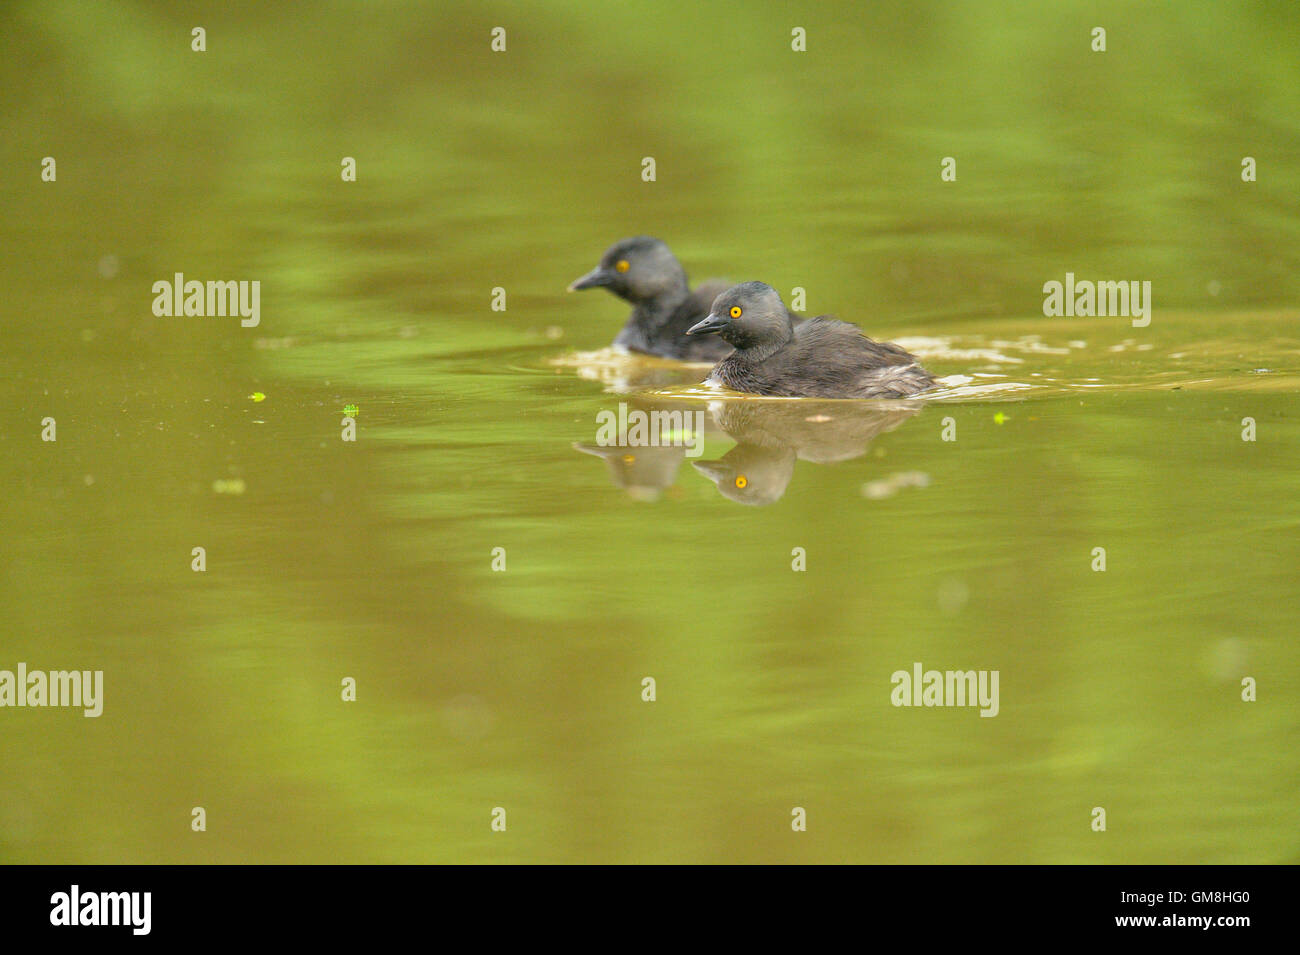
<point>644,461</point>
<point>643,473</point>
<point>771,436</point>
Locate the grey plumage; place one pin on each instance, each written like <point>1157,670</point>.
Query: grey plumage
<point>817,358</point>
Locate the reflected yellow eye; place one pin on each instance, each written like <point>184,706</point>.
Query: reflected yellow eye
<point>629,458</point>
<point>741,480</point>
<point>735,313</point>
<point>622,265</point>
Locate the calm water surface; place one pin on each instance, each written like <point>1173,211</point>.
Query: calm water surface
<point>478,430</point>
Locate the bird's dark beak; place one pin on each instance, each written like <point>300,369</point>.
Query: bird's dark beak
<point>714,323</point>
<point>593,279</point>
<point>715,471</point>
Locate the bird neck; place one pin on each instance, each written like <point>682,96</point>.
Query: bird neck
<point>659,308</point>
<point>759,349</point>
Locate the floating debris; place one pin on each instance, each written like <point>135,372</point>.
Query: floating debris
<point>229,486</point>
<point>257,396</point>
<point>888,487</point>
<point>952,595</point>
<point>265,343</point>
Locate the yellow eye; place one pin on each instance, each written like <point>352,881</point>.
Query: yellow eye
<point>735,313</point>
<point>741,480</point>
<point>622,265</point>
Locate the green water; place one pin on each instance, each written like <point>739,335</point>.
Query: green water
<point>522,688</point>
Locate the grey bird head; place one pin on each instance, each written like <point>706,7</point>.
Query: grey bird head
<point>643,472</point>
<point>639,269</point>
<point>749,474</point>
<point>745,315</point>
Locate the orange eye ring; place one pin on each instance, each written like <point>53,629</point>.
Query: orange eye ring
<point>742,482</point>
<point>735,311</point>
<point>622,265</point>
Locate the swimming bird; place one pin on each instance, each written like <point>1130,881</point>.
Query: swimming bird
<point>817,358</point>
<point>643,271</point>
